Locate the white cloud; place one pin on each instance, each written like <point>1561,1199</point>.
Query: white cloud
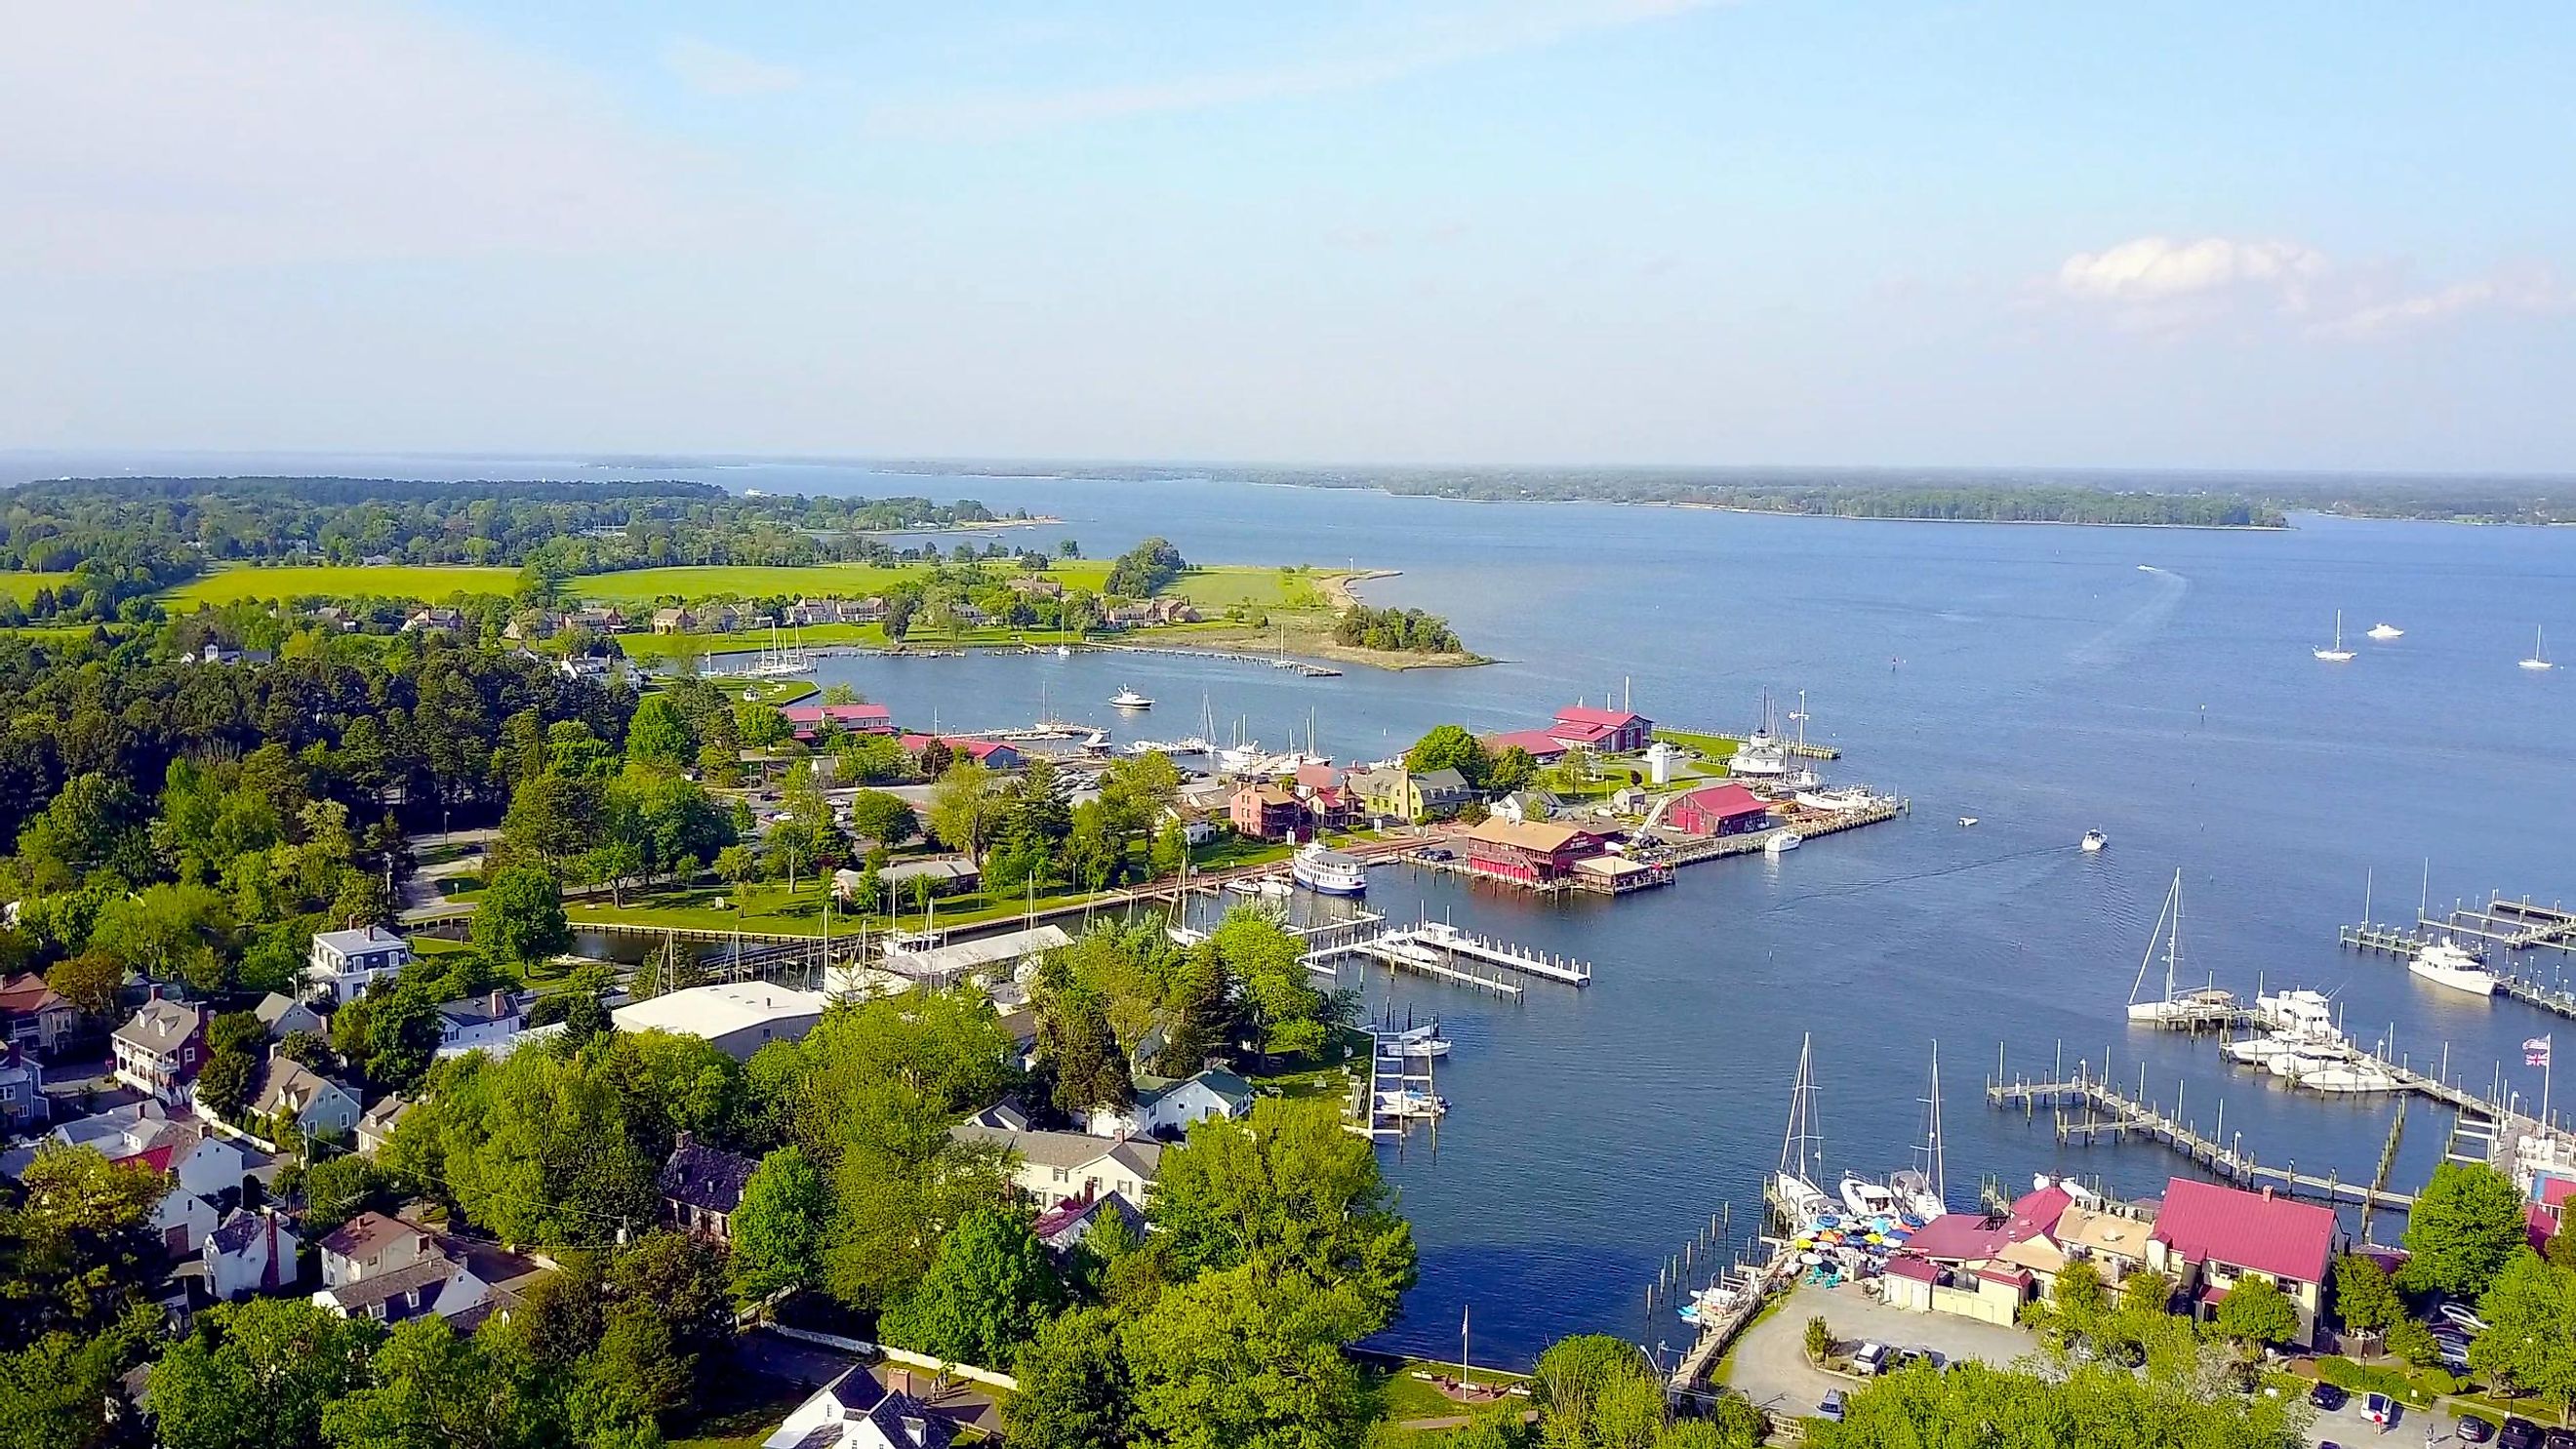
<point>2154,268</point>
<point>1353,61</point>
<point>158,135</point>
<point>2156,284</point>
<point>713,70</point>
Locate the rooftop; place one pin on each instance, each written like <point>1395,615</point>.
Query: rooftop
<point>1065,1149</point>
<point>1526,835</point>
<point>28,992</point>
<point>964,956</point>
<point>2253,1230</point>
<point>1586,714</point>
<point>1727,799</point>
<point>366,1235</point>
<point>721,1009</point>
<point>706,1177</point>
<point>159,1026</point>
<point>351,943</point>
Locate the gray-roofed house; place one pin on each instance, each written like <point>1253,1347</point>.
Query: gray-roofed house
<point>880,1406</point>
<point>22,1088</point>
<point>284,1016</point>
<point>160,1050</point>
<point>376,1124</point>
<point>346,963</point>
<point>249,1252</point>
<point>488,1023</point>
<point>1054,1168</point>
<point>1165,1107</point>
<point>286,1087</point>
<point>702,1186</point>
<point>1443,791</point>
<point>379,1267</point>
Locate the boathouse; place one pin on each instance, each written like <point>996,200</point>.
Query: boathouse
<point>1529,852</point>
<point>1718,810</point>
<point>1609,731</point>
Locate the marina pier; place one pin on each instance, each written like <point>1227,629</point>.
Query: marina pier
<point>2109,1112</point>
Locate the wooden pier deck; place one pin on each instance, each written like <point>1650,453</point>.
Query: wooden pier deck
<point>1752,842</point>
<point>2113,1113</point>
<point>1441,936</point>
<point>1400,952</point>
<point>2382,940</point>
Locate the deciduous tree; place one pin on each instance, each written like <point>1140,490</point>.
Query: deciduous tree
<point>2464,1227</point>
<point>987,1292</point>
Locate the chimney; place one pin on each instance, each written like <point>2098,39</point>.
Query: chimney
<point>2267,1194</point>
<point>152,993</point>
<point>500,1003</point>
<point>684,1141</point>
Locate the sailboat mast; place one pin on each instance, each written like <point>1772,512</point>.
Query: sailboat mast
<point>1932,1138</point>
<point>2173,941</point>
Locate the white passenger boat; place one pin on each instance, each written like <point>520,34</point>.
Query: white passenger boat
<point>1836,802</point>
<point>2093,842</point>
<point>1784,841</point>
<point>1329,872</point>
<point>1129,699</point>
<point>2385,632</point>
<point>2446,963</point>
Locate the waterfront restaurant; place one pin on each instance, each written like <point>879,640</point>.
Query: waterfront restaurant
<point>1607,731</point>
<point>1538,853</point>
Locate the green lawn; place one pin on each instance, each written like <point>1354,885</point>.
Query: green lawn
<point>1401,1396</point>
<point>745,1409</point>
<point>839,581</point>
<point>1263,588</point>
<point>22,587</point>
<point>1716,747</point>
<point>425,582</point>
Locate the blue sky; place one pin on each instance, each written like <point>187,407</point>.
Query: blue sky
<point>1512,231</point>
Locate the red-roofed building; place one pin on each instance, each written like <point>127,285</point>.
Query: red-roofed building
<point>2036,1212</point>
<point>871,718</point>
<point>1718,810</point>
<point>994,754</point>
<point>1543,747</point>
<point>1265,812</point>
<point>2209,1237</point>
<point>1957,1238</point>
<point>1611,731</point>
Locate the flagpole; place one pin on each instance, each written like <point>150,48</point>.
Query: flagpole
<point>1464,1378</point>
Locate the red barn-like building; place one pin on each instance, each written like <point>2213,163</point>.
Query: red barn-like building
<point>873,718</point>
<point>1544,748</point>
<point>1610,731</point>
<point>1718,810</point>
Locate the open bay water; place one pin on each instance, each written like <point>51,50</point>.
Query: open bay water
<point>2033,676</point>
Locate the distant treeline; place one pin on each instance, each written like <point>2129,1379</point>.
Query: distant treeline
<point>2228,499</point>
<point>151,530</point>
<point>1406,631</point>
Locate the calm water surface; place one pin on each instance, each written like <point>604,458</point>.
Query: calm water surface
<point>2035,677</point>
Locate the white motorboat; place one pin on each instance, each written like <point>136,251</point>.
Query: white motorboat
<point>1414,1041</point>
<point>2337,654</point>
<point>1406,1102</point>
<point>1129,699</point>
<point>2093,842</point>
<point>2323,1069</point>
<point>2539,651</point>
<point>1866,1198</point>
<point>2385,631</point>
<point>1275,888</point>
<point>1967,819</point>
<point>1804,1201</point>
<point>1784,841</point>
<point>1328,872</point>
<point>2447,963</point>
<point>1064,651</point>
<point>1836,802</point>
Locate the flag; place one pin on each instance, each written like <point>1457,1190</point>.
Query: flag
<point>2535,1052</point>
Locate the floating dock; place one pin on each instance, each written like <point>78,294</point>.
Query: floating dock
<point>1401,952</point>
<point>2392,941</point>
<point>2513,923</point>
<point>2115,1114</point>
<point>1441,936</point>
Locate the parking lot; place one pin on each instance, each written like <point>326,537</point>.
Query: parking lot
<point>1770,1364</point>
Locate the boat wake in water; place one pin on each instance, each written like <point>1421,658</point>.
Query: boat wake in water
<point>1882,882</point>
<point>2118,642</point>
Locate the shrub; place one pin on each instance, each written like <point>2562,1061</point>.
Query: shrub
<point>2416,1389</point>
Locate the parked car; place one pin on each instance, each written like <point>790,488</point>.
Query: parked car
<point>1921,1354</point>
<point>2380,1409</point>
<point>2327,1397</point>
<point>2463,1315</point>
<point>2558,1439</point>
<point>1871,1360</point>
<point>2473,1430</point>
<point>2518,1433</point>
<point>1434,852</point>
<point>1832,1407</point>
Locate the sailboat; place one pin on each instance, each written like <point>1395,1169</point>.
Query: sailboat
<point>2539,652</point>
<point>2338,654</point>
<point>1919,1189</point>
<point>1794,1186</point>
<point>2173,1005</point>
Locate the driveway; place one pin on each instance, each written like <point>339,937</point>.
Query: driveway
<point>2347,1427</point>
<point>1770,1365</point>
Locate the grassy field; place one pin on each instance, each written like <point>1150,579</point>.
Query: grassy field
<point>838,581</point>
<point>1401,1396</point>
<point>1716,747</point>
<point>22,587</point>
<point>425,582</point>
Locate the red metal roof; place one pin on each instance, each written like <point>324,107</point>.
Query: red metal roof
<point>1581,732</point>
<point>1586,714</point>
<point>1539,743</point>
<point>1957,1237</point>
<point>2253,1230</point>
<point>1921,1270</point>
<point>2555,1190</point>
<point>2036,1213</point>
<point>2538,1227</point>
<point>840,713</point>
<point>156,1158</point>
<point>1723,801</point>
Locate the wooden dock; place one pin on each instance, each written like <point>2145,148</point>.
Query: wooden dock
<point>1441,936</point>
<point>1754,841</point>
<point>1399,951</point>
<point>2116,1114</point>
<point>2382,940</point>
<point>2513,923</point>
